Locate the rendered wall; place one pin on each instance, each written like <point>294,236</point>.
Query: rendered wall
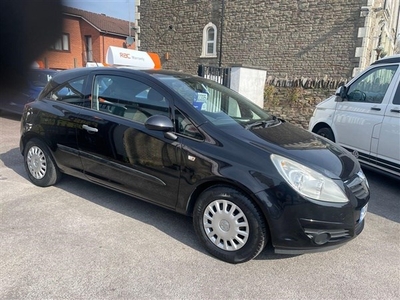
<point>250,83</point>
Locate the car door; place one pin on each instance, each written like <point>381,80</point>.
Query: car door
<point>116,148</point>
<point>60,120</point>
<point>357,120</point>
<point>388,150</point>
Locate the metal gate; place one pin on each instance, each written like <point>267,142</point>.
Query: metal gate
<point>218,74</point>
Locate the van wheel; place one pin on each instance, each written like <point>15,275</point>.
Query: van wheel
<point>229,225</point>
<point>39,164</point>
<point>326,133</point>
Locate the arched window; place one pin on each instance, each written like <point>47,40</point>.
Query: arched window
<point>209,41</point>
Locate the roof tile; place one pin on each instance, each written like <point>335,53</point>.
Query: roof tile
<point>100,21</point>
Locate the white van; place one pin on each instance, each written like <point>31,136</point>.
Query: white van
<point>364,116</point>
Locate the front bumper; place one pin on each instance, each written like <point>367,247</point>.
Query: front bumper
<point>298,225</point>
<point>323,239</point>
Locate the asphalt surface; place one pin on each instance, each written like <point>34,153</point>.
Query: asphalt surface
<point>78,240</point>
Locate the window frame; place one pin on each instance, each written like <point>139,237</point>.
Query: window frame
<point>396,98</point>
<point>207,41</point>
<point>185,127</point>
<point>76,95</point>
<point>89,48</point>
<point>64,40</point>
<point>368,95</point>
<point>130,108</point>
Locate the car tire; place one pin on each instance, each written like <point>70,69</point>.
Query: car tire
<point>326,133</point>
<point>39,164</point>
<point>229,225</point>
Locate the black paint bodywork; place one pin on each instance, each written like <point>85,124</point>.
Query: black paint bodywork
<point>171,170</point>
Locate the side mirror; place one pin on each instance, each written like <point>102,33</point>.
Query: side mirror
<point>161,123</point>
<point>341,93</point>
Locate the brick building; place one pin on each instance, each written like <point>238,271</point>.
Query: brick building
<point>86,37</point>
<point>294,38</point>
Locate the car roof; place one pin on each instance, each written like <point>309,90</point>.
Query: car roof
<point>66,75</point>
<point>388,60</point>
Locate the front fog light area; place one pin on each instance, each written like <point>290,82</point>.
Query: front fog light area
<point>321,238</point>
<point>308,182</point>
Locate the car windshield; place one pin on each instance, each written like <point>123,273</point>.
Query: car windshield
<point>220,105</point>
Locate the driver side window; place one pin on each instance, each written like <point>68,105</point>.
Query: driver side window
<point>372,86</point>
<point>127,98</point>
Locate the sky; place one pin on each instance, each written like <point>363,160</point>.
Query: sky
<point>121,9</point>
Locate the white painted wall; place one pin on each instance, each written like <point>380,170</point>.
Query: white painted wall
<point>250,83</point>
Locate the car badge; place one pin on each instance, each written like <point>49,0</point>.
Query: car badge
<point>355,153</point>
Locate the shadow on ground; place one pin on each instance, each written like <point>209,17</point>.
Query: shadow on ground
<point>385,195</point>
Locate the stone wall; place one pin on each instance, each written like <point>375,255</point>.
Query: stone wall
<point>311,38</point>
<point>294,104</point>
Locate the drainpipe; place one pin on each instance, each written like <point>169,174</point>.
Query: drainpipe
<point>220,36</point>
<point>396,38</point>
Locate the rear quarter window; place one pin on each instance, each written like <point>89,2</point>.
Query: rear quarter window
<point>71,92</point>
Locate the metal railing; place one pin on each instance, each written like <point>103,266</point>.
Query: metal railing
<point>218,74</point>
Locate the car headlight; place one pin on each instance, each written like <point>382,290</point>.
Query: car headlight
<point>308,182</point>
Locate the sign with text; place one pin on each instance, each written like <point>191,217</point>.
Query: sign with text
<point>140,60</point>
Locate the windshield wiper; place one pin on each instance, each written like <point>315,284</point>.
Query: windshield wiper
<point>262,123</point>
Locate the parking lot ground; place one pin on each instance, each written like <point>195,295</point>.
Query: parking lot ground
<point>77,240</point>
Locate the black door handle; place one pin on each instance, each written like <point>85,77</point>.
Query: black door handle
<point>395,110</point>
<point>375,108</point>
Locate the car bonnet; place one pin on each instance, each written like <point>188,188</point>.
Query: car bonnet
<point>302,146</point>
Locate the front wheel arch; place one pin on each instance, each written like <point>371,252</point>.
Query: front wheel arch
<point>192,199</point>
<point>323,126</point>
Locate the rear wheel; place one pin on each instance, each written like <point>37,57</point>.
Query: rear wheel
<point>326,133</point>
<point>229,225</point>
<point>39,164</point>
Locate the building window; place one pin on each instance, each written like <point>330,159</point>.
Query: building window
<point>62,43</point>
<point>209,48</point>
<point>88,48</point>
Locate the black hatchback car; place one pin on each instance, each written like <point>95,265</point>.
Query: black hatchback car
<point>194,146</point>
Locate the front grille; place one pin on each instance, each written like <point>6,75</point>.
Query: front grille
<point>358,186</point>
